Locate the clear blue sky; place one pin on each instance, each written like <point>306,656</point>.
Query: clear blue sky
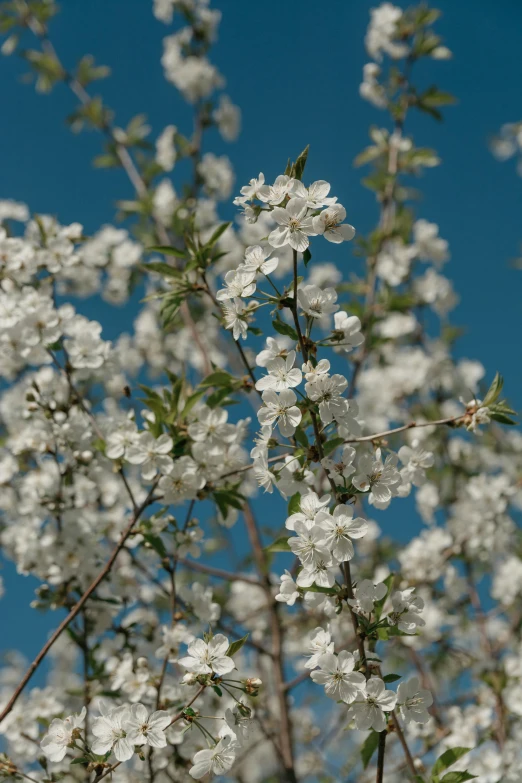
<point>294,67</point>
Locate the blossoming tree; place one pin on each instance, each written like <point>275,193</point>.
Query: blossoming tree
<point>192,638</point>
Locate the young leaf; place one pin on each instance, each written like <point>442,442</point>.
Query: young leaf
<point>236,646</point>
<point>294,505</point>
<point>369,747</point>
<point>494,390</point>
<point>331,445</point>
<point>448,758</point>
<point>307,256</point>
<point>457,777</point>
<point>167,251</point>
<point>279,545</point>
<point>217,233</point>
<point>391,677</point>
<point>162,269</point>
<point>299,165</point>
<point>285,329</point>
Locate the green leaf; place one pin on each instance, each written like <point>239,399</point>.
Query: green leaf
<point>294,506</point>
<point>81,760</point>
<point>217,690</point>
<point>191,401</point>
<point>331,445</point>
<point>503,419</point>
<point>217,378</point>
<point>106,161</point>
<point>285,329</point>
<point>494,390</point>
<point>279,545</point>
<point>161,269</point>
<point>217,233</point>
<point>457,777</point>
<point>369,747</point>
<point>391,677</point>
<point>307,256</point>
<point>217,397</point>
<point>300,436</point>
<point>166,251</point>
<point>156,543</point>
<point>299,165</point>
<point>434,97</point>
<point>448,758</point>
<point>236,646</point>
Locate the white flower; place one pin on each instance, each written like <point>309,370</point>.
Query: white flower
<point>321,368</point>
<point>320,644</point>
<point>288,592</point>
<point>281,374</point>
<point>317,302</point>
<point>394,260</point>
<point>182,483</point>
<point>406,610</point>
<point>110,732</point>
<point>263,475</point>
<point>165,148</point>
<point>145,729</point>
<point>414,701</point>
<point>330,224</point>
<point>338,530</point>
<point>228,118</point>
<point>430,247</point>
<point>237,725</point>
<point>416,460</point>
<point>151,453</point>
<point>207,657</point>
<point>258,260</point>
<point>274,194</point>
<point>164,202</point>
<point>60,735</point>
<point>366,593</point>
<point>370,89</point>
<point>315,195</point>
<point>309,543</point>
<point>326,391</point>
<point>309,504</point>
<point>381,32</point>
<point>274,348</point>
<point>294,227</point>
<point>250,191</point>
<point>235,318</point>
<point>211,426</point>
<point>369,708</point>
<point>171,640</point>
<point>337,674</point>
<point>217,175</point>
<point>85,347</point>
<point>217,760</point>
<point>343,469</point>
<point>322,572</point>
<point>382,479</point>
<point>349,328</point>
<point>239,283</point>
<point>280,408</point>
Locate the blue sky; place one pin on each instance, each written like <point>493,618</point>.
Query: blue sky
<point>294,67</point>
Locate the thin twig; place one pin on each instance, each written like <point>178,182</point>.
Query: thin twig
<point>77,607</point>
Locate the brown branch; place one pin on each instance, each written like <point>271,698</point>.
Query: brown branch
<point>218,572</point>
<point>410,426</point>
<point>77,607</point>
<point>380,756</point>
<point>285,735</point>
